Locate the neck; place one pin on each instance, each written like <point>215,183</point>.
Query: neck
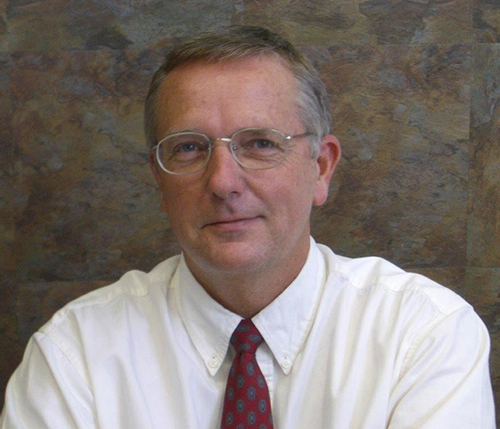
<point>247,293</point>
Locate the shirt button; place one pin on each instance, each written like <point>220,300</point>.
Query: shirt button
<point>286,363</point>
<point>213,362</point>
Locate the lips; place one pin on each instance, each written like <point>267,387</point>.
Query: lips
<point>232,224</point>
<point>231,220</point>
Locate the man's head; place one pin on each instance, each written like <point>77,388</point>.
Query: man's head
<point>238,42</point>
<point>235,223</point>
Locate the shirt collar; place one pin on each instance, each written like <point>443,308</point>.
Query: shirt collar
<point>285,323</point>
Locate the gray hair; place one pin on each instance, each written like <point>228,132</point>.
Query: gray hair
<point>237,42</point>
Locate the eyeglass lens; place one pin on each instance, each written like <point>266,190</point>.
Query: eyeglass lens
<point>255,149</point>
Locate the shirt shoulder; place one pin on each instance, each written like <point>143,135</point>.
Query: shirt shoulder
<point>102,322</point>
<point>132,287</point>
<point>372,274</point>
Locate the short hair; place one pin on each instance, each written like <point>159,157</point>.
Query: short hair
<point>236,42</point>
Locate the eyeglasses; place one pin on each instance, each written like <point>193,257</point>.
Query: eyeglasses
<point>252,148</point>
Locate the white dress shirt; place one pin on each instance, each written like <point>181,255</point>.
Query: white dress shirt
<point>351,343</point>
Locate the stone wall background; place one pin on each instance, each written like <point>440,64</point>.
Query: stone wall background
<point>415,91</point>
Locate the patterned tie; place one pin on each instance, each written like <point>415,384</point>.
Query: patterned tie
<point>246,402</point>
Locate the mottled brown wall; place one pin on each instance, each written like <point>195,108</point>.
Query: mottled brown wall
<point>415,90</point>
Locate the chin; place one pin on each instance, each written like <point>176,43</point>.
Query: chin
<point>233,258</point>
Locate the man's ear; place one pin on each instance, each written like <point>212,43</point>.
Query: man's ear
<point>327,161</point>
<point>154,169</point>
<point>157,176</point>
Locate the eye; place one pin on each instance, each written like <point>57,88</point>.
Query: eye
<point>259,143</point>
<point>187,147</point>
<point>184,148</point>
<point>263,143</point>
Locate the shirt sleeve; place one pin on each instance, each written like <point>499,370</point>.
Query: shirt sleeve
<point>47,391</point>
<point>445,381</point>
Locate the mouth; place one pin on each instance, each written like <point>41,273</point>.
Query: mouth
<point>232,225</point>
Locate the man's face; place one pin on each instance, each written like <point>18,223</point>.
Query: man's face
<point>228,219</point>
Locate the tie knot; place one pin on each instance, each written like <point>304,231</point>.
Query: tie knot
<point>246,337</point>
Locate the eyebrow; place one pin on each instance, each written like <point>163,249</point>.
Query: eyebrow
<point>184,130</point>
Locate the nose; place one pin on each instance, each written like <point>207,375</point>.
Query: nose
<point>223,174</point>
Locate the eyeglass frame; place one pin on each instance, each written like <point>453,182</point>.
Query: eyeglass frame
<point>228,140</point>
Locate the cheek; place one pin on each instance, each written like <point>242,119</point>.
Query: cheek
<point>295,195</point>
<point>184,205</point>
<point>172,200</point>
<point>303,181</point>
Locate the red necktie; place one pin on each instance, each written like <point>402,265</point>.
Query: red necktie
<point>246,402</point>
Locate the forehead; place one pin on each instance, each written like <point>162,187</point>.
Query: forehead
<point>248,92</point>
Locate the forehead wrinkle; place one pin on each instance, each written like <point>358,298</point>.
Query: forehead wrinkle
<point>216,96</point>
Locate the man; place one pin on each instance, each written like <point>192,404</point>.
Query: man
<point>238,124</point>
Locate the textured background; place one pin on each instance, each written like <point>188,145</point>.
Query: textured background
<point>415,91</point>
